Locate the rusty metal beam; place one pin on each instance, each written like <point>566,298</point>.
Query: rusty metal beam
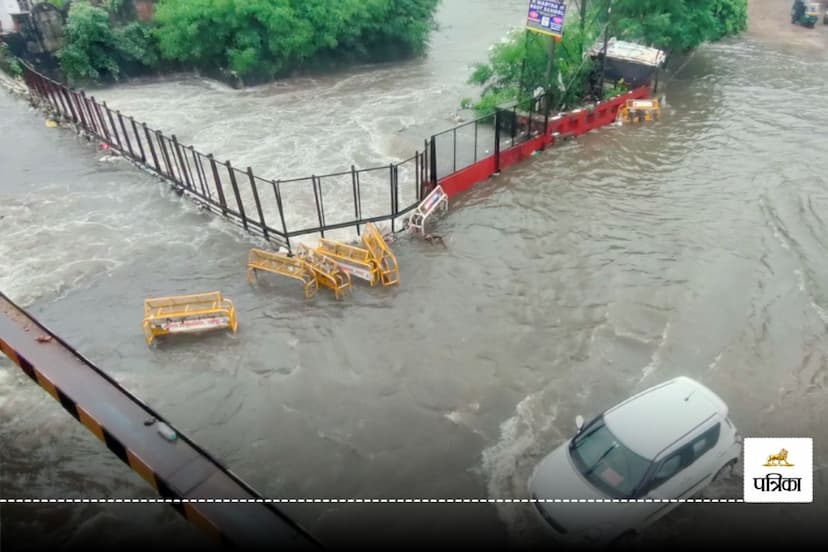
<point>177,469</point>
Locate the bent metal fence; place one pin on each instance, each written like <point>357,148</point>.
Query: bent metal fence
<point>278,210</point>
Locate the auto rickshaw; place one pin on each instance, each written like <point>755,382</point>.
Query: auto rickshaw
<point>805,13</point>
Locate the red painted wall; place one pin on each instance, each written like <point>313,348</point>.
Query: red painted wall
<point>573,123</point>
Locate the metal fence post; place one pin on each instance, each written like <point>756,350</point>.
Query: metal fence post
<point>138,140</point>
<point>93,125</point>
<point>355,185</point>
<point>217,180</point>
<point>102,120</point>
<point>513,124</point>
<point>114,128</point>
<point>258,203</point>
<point>83,122</point>
<point>434,160</point>
<point>69,103</point>
<point>418,189</point>
<point>278,193</point>
<point>547,105</point>
<point>454,155</point>
<point>182,162</point>
<point>317,192</point>
<point>151,148</point>
<point>497,142</point>
<point>391,190</point>
<point>475,140</point>
<point>202,178</point>
<point>165,155</point>
<point>231,171</point>
<point>126,134</point>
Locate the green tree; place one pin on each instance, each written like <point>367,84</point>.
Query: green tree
<point>94,50</point>
<point>88,51</point>
<point>521,61</point>
<point>268,37</point>
<point>8,62</point>
<point>677,25</point>
<point>671,25</point>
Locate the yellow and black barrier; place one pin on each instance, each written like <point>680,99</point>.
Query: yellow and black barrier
<point>170,462</point>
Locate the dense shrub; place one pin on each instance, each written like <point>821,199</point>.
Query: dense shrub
<point>94,49</point>
<point>8,62</point>
<point>268,37</point>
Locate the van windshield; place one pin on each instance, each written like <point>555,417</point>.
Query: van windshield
<point>606,462</point>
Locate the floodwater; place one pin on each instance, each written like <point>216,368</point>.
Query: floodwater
<point>695,245</point>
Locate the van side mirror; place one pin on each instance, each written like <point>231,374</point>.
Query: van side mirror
<point>579,422</point>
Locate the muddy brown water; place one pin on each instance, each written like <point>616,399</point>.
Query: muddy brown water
<point>693,246</point>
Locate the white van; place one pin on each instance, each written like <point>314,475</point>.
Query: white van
<point>667,442</point>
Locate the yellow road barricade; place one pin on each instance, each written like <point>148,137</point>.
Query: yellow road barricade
<point>637,111</point>
<point>356,261</point>
<point>277,263</point>
<point>386,261</point>
<point>187,314</point>
<point>327,272</point>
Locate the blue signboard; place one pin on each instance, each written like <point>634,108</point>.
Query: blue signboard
<point>546,17</point>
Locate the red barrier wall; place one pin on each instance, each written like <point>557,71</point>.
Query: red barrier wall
<point>573,123</point>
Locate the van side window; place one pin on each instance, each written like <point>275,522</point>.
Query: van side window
<point>706,441</point>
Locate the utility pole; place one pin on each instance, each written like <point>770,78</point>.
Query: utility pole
<point>550,58</point>
<point>548,74</point>
<point>604,56</point>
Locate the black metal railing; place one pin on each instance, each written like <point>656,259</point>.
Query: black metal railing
<point>277,210</point>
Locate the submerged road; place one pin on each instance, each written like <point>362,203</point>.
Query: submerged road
<point>695,246</point>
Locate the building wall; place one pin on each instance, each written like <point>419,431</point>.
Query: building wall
<point>7,7</point>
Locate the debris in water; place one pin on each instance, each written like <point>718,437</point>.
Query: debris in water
<point>44,338</point>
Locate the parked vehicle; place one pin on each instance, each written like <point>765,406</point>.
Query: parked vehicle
<point>668,442</point>
<point>805,13</point>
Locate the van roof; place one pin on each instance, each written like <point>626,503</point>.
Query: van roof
<point>652,420</point>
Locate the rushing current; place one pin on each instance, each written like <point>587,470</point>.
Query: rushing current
<point>697,245</point>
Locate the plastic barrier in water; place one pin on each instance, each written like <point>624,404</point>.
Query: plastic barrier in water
<point>278,263</point>
<point>437,199</point>
<point>356,261</point>
<point>384,258</point>
<point>328,273</point>
<point>187,314</point>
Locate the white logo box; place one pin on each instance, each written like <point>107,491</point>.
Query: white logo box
<point>785,480</point>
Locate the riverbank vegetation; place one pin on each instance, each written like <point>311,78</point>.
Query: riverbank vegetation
<point>518,64</point>
<point>251,39</point>
<point>8,62</point>
<point>98,47</point>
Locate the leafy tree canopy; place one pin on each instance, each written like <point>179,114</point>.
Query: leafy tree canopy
<point>671,25</point>
<point>269,36</point>
<point>677,25</point>
<point>93,49</point>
